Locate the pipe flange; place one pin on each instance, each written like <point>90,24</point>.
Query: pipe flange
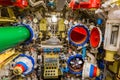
<point>78,35</point>
<point>75,64</point>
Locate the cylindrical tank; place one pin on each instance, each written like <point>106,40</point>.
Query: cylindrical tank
<point>11,36</point>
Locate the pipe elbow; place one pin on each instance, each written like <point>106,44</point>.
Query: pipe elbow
<point>92,58</point>
<point>33,4</point>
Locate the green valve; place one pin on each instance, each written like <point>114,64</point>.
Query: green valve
<point>10,36</point>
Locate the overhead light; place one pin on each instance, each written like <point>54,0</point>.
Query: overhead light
<point>54,18</point>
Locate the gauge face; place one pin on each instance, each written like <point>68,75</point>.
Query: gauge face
<point>95,37</point>
<point>76,64</point>
<point>79,35</point>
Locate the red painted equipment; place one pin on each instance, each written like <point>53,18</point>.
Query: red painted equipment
<point>78,35</point>
<point>95,37</point>
<point>76,4</point>
<point>17,3</point>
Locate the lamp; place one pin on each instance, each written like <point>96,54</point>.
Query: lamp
<point>112,33</point>
<point>54,18</point>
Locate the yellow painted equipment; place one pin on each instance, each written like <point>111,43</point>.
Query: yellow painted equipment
<point>108,77</point>
<point>63,35</point>
<point>7,57</point>
<point>61,28</point>
<point>51,66</point>
<point>40,34</point>
<point>114,67</point>
<point>11,17</point>
<point>61,25</point>
<point>17,71</point>
<point>116,1</point>
<point>118,76</point>
<point>6,54</point>
<point>49,34</point>
<point>109,56</point>
<point>119,72</point>
<point>43,25</point>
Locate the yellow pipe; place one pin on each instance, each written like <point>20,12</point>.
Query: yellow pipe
<point>116,2</point>
<point>7,57</point>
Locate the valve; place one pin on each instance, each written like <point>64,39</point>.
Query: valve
<point>23,65</point>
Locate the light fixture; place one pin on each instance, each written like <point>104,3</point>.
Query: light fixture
<point>54,18</point>
<point>112,33</point>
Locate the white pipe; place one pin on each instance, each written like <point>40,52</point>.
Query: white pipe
<point>33,4</point>
<point>106,4</point>
<point>101,13</point>
<point>92,58</point>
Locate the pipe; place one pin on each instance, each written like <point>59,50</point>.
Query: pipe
<point>10,36</point>
<point>83,52</point>
<point>92,58</point>
<point>33,4</point>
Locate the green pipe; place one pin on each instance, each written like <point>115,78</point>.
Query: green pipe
<point>10,36</point>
